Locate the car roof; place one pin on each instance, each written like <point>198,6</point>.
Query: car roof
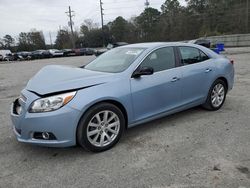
<point>153,45</point>
<point>156,44</point>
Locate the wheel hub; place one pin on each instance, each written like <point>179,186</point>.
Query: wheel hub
<point>103,128</point>
<point>218,95</point>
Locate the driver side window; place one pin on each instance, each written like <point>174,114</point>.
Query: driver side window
<point>161,59</point>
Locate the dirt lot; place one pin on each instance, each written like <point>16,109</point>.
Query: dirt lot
<point>194,148</point>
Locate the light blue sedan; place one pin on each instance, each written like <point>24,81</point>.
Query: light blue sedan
<point>93,105</point>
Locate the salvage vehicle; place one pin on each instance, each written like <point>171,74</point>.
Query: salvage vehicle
<point>6,55</point>
<point>109,47</point>
<point>38,54</point>
<point>68,52</point>
<point>92,105</point>
<point>55,53</point>
<point>202,42</point>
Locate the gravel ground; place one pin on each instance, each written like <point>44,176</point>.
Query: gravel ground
<point>191,149</point>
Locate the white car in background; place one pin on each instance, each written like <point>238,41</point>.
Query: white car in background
<point>55,53</point>
<point>5,54</point>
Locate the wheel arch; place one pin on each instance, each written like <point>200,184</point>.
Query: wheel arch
<point>223,79</point>
<point>117,104</point>
<point>111,101</point>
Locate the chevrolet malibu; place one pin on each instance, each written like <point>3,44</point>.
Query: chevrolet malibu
<point>92,105</point>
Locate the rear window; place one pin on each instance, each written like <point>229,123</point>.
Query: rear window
<point>191,55</point>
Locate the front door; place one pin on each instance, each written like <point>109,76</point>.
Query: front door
<point>160,92</point>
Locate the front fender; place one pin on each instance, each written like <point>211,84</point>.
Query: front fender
<point>88,97</point>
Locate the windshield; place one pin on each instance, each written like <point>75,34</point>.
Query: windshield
<point>114,61</point>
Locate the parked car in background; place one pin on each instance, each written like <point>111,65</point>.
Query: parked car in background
<point>17,57</point>
<point>55,53</point>
<point>109,47</point>
<point>116,44</point>
<point>6,55</point>
<point>26,55</point>
<point>80,51</point>
<point>100,51</point>
<point>1,57</point>
<point>93,105</point>
<point>46,54</point>
<point>38,54</point>
<point>68,52</point>
<point>202,42</point>
<point>89,51</point>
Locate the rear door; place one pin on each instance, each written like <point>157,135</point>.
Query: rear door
<point>197,74</point>
<point>160,92</point>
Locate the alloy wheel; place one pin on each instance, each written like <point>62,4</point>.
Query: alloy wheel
<point>218,95</point>
<point>103,128</point>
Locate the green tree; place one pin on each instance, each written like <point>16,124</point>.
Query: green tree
<point>8,41</point>
<point>37,39</point>
<point>172,21</point>
<point>119,29</point>
<point>63,39</point>
<point>24,43</point>
<point>92,36</point>
<point>147,23</point>
<point>31,41</point>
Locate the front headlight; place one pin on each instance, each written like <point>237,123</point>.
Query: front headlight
<point>51,103</point>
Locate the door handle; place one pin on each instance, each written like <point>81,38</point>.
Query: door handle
<point>174,79</point>
<point>208,70</point>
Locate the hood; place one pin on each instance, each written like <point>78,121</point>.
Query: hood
<point>56,78</point>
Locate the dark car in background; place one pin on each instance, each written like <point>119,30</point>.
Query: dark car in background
<point>25,55</point>
<point>89,51</point>
<point>202,42</point>
<point>68,52</point>
<point>46,54</point>
<point>38,54</point>
<point>80,51</point>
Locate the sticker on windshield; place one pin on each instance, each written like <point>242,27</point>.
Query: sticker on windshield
<point>133,52</point>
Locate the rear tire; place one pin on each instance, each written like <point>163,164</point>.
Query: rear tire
<point>101,127</point>
<point>216,96</point>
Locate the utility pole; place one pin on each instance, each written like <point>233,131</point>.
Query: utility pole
<point>102,23</point>
<point>247,16</point>
<point>50,40</point>
<point>146,4</point>
<point>69,13</point>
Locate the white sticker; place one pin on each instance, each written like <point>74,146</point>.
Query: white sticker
<point>133,52</point>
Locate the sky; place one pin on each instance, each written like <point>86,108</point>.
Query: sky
<point>49,15</point>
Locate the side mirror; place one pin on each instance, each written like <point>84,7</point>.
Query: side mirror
<point>143,71</point>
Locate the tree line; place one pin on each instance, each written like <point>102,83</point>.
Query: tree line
<point>26,41</point>
<point>174,22</point>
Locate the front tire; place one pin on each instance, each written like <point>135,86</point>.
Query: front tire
<point>101,127</point>
<point>216,96</point>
